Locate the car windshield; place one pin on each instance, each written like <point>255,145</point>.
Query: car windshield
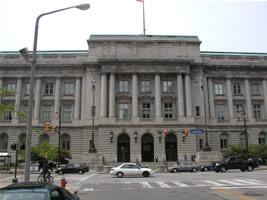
<point>26,194</point>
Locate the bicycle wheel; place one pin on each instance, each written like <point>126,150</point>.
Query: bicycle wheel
<point>50,179</point>
<point>40,179</point>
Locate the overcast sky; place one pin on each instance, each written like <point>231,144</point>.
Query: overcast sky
<point>239,26</point>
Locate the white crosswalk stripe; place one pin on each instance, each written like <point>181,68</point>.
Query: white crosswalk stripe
<point>162,184</point>
<point>180,184</point>
<point>232,182</point>
<point>214,183</point>
<point>146,185</point>
<point>250,182</point>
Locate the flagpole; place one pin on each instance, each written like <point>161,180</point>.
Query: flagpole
<point>144,22</point>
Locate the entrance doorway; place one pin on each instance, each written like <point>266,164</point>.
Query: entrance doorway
<point>123,150</point>
<point>147,148</point>
<point>171,147</point>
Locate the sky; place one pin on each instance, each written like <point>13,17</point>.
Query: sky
<point>221,25</point>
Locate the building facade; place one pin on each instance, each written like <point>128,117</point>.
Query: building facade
<point>146,90</point>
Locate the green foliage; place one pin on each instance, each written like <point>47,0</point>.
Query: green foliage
<point>255,150</point>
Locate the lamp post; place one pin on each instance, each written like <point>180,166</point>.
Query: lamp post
<point>92,148</point>
<point>245,127</point>
<point>206,147</point>
<point>24,53</point>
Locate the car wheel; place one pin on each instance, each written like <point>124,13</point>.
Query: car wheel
<point>80,172</point>
<point>250,168</point>
<point>60,172</point>
<point>223,169</point>
<point>146,174</point>
<point>119,174</point>
<point>205,169</point>
<point>194,170</point>
<point>174,170</point>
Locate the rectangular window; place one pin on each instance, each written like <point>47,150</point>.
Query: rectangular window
<point>68,88</point>
<point>201,144</point>
<point>145,112</point>
<point>257,112</point>
<point>123,86</point>
<point>197,111</point>
<point>11,87</point>
<point>262,140</point>
<point>255,89</point>
<point>220,112</point>
<point>239,112</point>
<point>218,88</point>
<point>145,86</point>
<point>123,111</point>
<point>47,112</point>
<point>49,89</point>
<point>167,86</point>
<point>223,143</point>
<point>8,115</point>
<point>168,110</point>
<point>27,89</point>
<point>237,89</point>
<point>67,112</point>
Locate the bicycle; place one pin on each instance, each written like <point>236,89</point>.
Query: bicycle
<point>45,178</point>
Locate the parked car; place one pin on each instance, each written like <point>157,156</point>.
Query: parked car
<point>73,168</point>
<point>35,190</point>
<point>184,167</point>
<point>207,167</point>
<point>130,169</point>
<point>235,163</point>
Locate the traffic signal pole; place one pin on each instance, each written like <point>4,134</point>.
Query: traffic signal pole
<point>59,136</point>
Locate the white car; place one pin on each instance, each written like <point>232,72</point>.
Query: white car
<point>130,169</point>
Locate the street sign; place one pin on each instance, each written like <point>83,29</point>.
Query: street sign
<point>196,131</point>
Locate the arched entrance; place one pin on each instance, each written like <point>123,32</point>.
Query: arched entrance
<point>123,151</point>
<point>171,147</point>
<point>147,148</point>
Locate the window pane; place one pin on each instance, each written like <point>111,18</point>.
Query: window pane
<point>123,86</point>
<point>220,112</point>
<point>123,111</point>
<point>167,86</point>
<point>68,88</point>
<point>49,89</point>
<point>219,89</point>
<point>145,86</point>
<point>67,112</point>
<point>257,111</point>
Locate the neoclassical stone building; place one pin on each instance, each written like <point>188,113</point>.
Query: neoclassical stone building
<point>147,90</point>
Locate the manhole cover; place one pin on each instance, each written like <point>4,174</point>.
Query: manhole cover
<point>253,194</point>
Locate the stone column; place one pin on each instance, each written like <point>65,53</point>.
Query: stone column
<point>250,117</point>
<point>37,100</point>
<point>264,83</point>
<point>77,99</point>
<point>230,99</point>
<point>111,96</point>
<point>188,96</point>
<point>180,94</point>
<point>18,98</point>
<point>134,97</point>
<point>158,97</point>
<point>103,98</point>
<point>57,96</point>
<point>211,98</point>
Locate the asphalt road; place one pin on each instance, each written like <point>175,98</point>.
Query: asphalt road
<point>232,185</point>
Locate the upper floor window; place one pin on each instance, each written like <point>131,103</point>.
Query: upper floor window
<point>47,112</point>
<point>123,111</point>
<point>257,111</point>
<point>218,88</point>
<point>123,86</point>
<point>255,89</point>
<point>237,89</point>
<point>49,88</point>
<point>27,89</point>
<point>197,111</point>
<point>145,86</point>
<point>167,86</point>
<point>68,88</point>
<point>11,87</point>
<point>168,110</point>
<point>239,112</point>
<point>146,109</point>
<point>67,112</point>
<point>220,112</point>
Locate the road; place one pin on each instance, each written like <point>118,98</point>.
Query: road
<point>232,185</point>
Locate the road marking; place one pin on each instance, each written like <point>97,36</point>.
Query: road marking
<point>88,189</point>
<point>146,185</point>
<point>86,178</point>
<point>180,184</point>
<point>240,187</point>
<point>235,194</point>
<point>162,184</point>
<point>232,182</point>
<point>215,183</point>
<point>249,182</point>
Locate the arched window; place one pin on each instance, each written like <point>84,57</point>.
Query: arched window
<point>43,137</point>
<point>223,140</point>
<point>242,138</point>
<point>3,142</point>
<point>262,138</point>
<point>65,142</point>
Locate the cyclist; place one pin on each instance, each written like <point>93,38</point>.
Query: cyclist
<point>46,170</point>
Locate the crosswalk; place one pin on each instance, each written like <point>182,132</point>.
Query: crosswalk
<point>213,184</point>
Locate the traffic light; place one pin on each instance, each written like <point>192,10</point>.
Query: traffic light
<point>186,132</point>
<point>54,129</point>
<point>47,127</point>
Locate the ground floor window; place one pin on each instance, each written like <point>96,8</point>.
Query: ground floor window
<point>3,142</point>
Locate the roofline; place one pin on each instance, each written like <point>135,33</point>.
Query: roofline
<point>225,53</point>
<point>48,52</point>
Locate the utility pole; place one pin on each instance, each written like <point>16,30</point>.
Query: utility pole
<point>59,136</point>
<point>245,129</point>
<point>92,148</point>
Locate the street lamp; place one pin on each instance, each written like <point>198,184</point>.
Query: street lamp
<point>92,148</point>
<point>24,53</point>
<point>206,147</point>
